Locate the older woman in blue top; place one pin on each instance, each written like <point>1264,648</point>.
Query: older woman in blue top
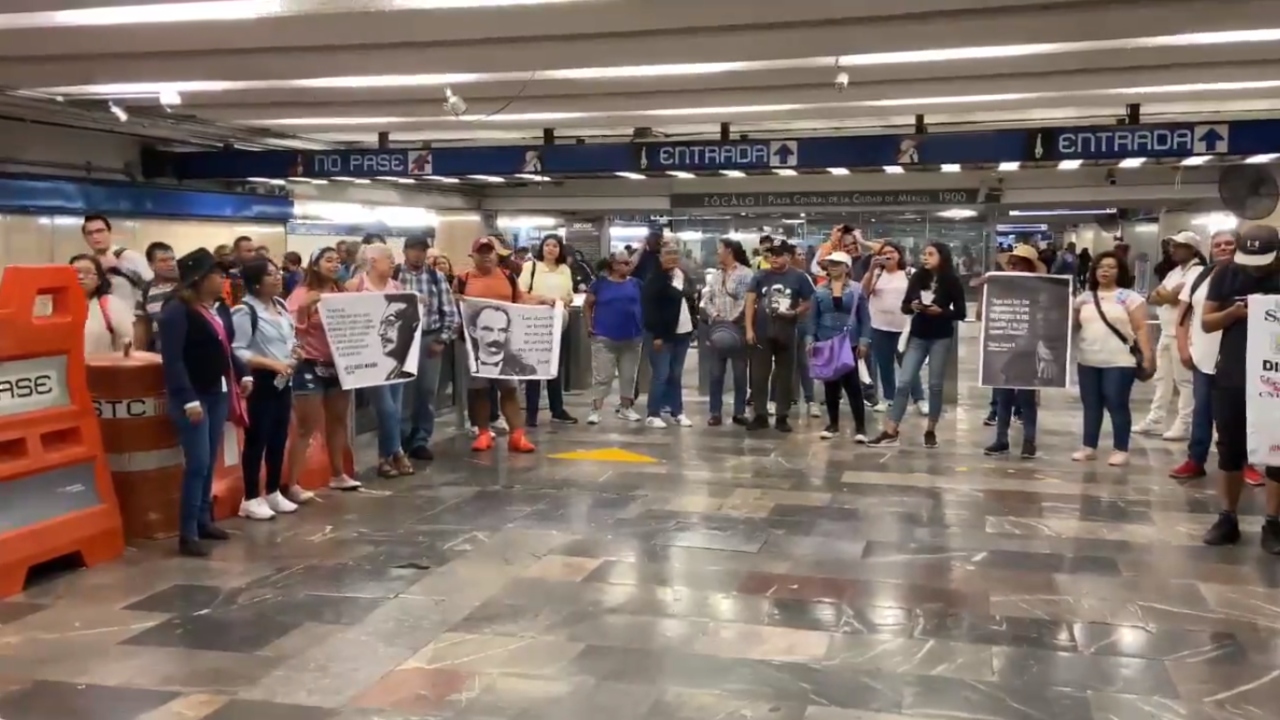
<point>265,341</point>
<point>839,308</point>
<point>205,384</point>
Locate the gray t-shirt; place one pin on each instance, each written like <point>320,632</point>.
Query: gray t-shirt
<point>778,292</point>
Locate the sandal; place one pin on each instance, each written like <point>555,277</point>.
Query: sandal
<point>386,469</point>
<point>402,464</point>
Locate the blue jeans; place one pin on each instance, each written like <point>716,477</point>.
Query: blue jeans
<point>387,401</point>
<point>720,362</point>
<point>201,442</point>
<point>918,350</point>
<point>426,385</point>
<point>1201,417</point>
<point>884,364</point>
<point>1107,389</point>
<point>666,386</point>
<point>1010,402</point>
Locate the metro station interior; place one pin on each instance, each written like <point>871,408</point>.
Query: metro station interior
<point>625,571</point>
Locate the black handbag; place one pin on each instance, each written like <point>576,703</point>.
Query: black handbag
<point>1134,349</point>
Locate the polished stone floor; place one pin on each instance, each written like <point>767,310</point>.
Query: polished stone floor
<point>739,576</point>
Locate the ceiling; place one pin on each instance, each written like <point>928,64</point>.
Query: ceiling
<point>315,73</point>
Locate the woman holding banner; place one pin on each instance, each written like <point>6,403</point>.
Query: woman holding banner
<point>375,265</point>
<point>1010,402</point>
<point>318,398</point>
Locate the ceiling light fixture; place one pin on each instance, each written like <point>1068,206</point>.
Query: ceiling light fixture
<point>362,181</point>
<point>631,175</point>
<point>958,214</point>
<point>446,180</point>
<point>1196,160</point>
<point>733,173</point>
<point>118,111</point>
<point>894,169</point>
<point>487,178</point>
<point>169,100</point>
<point>1132,162</point>
<point>838,171</point>
<point>1070,164</point>
<point>1262,159</point>
<point>1105,211</point>
<point>680,174</point>
<point>951,167</point>
<point>1009,166</point>
<point>533,177</point>
<point>785,171</point>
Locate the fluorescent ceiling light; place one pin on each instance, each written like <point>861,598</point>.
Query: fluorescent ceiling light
<point>958,214</point>
<point>343,179</point>
<point>643,71</point>
<point>680,174</point>
<point>894,169</point>
<point>259,179</point>
<point>1262,159</point>
<point>955,99</point>
<point>452,180</point>
<point>1194,87</point>
<point>487,178</point>
<point>170,98</point>
<point>728,110</point>
<point>838,171</point>
<point>1009,166</point>
<point>362,181</point>
<point>1070,164</point>
<point>631,175</point>
<point>1104,211</point>
<point>733,173</point>
<point>1197,160</point>
<point>950,167</point>
<point>785,171</point>
<point>1132,162</point>
<point>534,178</point>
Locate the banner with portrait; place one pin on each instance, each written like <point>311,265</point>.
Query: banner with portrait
<point>1262,381</point>
<point>1026,340</point>
<point>375,337</point>
<point>513,342</point>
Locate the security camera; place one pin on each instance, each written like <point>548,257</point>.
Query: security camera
<point>454,104</point>
<point>842,81</point>
<point>1111,177</point>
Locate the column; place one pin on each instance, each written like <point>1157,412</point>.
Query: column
<point>455,231</point>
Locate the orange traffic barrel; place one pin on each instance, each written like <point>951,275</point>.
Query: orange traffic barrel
<point>140,441</point>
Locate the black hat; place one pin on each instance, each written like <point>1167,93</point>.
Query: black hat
<point>196,266</point>
<point>1258,246</point>
<point>780,247</point>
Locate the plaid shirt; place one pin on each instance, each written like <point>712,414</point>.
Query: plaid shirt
<point>439,310</point>
<point>726,297</point>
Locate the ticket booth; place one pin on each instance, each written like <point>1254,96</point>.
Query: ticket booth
<point>56,497</point>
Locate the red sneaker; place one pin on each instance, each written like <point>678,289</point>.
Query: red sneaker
<point>483,442</point>
<point>518,443</point>
<point>1188,470</point>
<point>1253,477</point>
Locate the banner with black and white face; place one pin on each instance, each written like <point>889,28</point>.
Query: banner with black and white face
<point>1026,331</point>
<point>374,337</point>
<point>509,341</point>
<point>1262,373</point>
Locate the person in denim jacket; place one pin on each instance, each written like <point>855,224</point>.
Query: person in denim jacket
<point>839,308</point>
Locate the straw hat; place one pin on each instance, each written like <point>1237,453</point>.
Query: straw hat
<point>1026,252</point>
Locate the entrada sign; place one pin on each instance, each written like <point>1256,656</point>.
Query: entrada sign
<point>896,198</point>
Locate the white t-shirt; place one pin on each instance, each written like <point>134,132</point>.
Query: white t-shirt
<point>134,264</point>
<point>685,323</point>
<point>885,304</point>
<point>98,337</point>
<point>1204,346</point>
<point>1168,314</point>
<point>1098,346</point>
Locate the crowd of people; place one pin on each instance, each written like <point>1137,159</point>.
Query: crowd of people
<point>242,340</point>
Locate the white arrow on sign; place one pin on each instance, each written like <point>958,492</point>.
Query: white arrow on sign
<point>783,153</point>
<point>1212,139</point>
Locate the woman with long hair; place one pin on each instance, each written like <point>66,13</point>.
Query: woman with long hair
<point>885,287</point>
<point>265,341</point>
<point>935,301</point>
<point>839,311</point>
<point>109,326</point>
<point>612,314</point>
<point>1109,319</point>
<point>724,301</point>
<point>205,384</point>
<point>547,277</point>
<point>318,398</point>
<point>375,265</point>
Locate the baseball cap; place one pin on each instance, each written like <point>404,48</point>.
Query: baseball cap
<point>779,247</point>
<point>838,257</point>
<point>1258,246</point>
<point>1186,237</point>
<point>481,242</point>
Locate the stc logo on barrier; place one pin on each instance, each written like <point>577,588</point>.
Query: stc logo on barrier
<point>31,385</point>
<point>128,409</point>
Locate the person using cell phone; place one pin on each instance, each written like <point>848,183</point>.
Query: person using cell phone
<point>885,286</point>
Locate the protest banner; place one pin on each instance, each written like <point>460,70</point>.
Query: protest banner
<point>1026,340</point>
<point>374,337</point>
<point>510,341</point>
<point>1262,377</point>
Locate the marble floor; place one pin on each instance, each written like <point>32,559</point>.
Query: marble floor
<point>738,576</point>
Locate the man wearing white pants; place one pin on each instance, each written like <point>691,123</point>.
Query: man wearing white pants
<point>1185,250</point>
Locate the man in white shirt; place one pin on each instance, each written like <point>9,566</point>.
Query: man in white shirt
<point>1185,248</point>
<point>127,269</point>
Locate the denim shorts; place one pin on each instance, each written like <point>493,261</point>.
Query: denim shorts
<point>311,377</point>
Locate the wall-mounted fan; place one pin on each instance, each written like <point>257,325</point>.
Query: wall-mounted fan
<point>1250,192</point>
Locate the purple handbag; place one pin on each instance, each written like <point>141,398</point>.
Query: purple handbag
<point>832,359</point>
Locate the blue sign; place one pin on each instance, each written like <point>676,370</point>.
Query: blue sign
<point>39,194</point>
<point>1107,142</point>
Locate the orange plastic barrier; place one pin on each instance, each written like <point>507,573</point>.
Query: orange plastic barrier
<point>56,497</point>
<point>140,440</point>
<point>228,475</point>
<point>315,473</point>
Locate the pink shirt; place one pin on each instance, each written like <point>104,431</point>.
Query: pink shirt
<point>310,329</point>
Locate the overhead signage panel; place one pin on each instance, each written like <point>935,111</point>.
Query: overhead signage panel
<point>766,201</point>
<point>747,155</point>
<point>1128,141</point>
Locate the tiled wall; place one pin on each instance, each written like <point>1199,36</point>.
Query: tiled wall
<point>35,239</point>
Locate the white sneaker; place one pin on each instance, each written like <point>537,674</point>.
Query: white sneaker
<point>473,431</point>
<point>1177,433</point>
<point>500,426</point>
<point>629,414</point>
<point>882,407</point>
<point>593,417</point>
<point>682,420</point>
<point>1148,427</point>
<point>256,509</point>
<point>342,482</point>
<point>922,407</point>
<point>654,423</point>
<point>860,439</point>
<point>1084,454</point>
<point>299,496</point>
<point>772,408</point>
<point>827,434</point>
<point>280,504</point>
<point>814,410</point>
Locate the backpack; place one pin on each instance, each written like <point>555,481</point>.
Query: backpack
<point>131,277</point>
<point>106,317</point>
<point>1201,279</point>
<point>515,287</point>
<point>253,314</point>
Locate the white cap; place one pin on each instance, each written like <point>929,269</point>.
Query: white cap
<point>1186,237</point>
<point>839,257</point>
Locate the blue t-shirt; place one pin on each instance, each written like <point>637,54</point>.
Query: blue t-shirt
<point>617,309</point>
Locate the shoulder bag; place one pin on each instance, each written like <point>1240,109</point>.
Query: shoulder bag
<point>1134,349</point>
